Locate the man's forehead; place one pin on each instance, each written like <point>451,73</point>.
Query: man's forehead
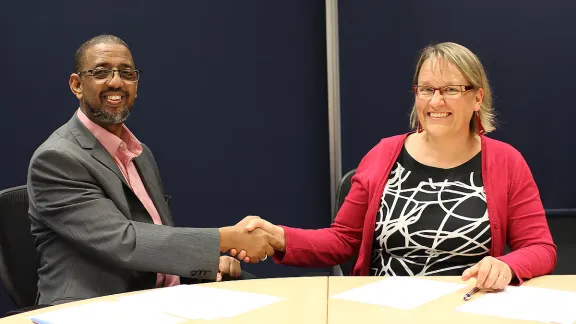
<point>108,53</point>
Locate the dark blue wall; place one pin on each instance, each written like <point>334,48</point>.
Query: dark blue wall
<point>525,46</point>
<point>232,101</point>
<point>233,96</point>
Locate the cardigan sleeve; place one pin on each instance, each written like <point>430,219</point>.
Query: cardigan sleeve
<point>533,251</point>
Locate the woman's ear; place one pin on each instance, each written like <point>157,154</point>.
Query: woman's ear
<point>478,99</point>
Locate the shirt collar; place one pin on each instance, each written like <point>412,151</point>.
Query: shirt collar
<point>110,141</point>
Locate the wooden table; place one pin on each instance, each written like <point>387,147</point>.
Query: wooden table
<point>305,302</point>
<point>441,310</point>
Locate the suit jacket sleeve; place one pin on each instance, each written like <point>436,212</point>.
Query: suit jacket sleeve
<point>67,199</point>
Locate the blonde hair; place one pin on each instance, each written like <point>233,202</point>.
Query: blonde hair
<point>469,65</point>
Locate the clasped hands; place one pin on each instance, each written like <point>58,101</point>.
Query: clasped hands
<point>255,238</point>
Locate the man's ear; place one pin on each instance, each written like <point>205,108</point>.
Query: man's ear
<point>75,85</point>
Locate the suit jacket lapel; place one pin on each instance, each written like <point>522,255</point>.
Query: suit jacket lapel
<point>100,154</point>
<point>88,141</point>
<point>152,186</point>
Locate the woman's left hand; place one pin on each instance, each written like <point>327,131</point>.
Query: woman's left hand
<point>490,274</point>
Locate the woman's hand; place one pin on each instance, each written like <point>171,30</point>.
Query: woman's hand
<point>276,231</point>
<point>490,274</point>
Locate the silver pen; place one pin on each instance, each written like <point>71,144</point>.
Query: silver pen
<point>470,293</point>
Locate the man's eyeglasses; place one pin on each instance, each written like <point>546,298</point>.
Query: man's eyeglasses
<point>106,74</point>
<point>448,92</point>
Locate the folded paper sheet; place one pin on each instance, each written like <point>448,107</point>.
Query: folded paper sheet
<point>199,302</point>
<point>400,292</point>
<point>526,303</point>
<point>104,312</point>
<point>161,306</point>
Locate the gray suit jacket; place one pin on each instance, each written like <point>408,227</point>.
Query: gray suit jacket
<point>93,236</point>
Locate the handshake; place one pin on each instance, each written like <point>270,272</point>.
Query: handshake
<point>252,239</point>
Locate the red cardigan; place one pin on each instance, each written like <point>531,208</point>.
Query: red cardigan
<point>515,212</point>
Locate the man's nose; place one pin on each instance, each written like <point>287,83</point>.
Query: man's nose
<point>115,81</point>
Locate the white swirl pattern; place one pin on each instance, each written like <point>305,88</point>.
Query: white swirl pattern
<point>432,251</point>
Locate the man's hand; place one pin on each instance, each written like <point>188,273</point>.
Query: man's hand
<point>490,274</point>
<point>228,266</point>
<point>276,231</point>
<point>257,243</point>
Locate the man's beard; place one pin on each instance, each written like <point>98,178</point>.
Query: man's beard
<point>102,117</point>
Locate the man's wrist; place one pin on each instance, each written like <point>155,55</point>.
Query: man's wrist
<point>225,238</point>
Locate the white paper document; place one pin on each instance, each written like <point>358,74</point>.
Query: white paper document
<point>526,303</point>
<point>104,312</point>
<point>199,302</point>
<point>400,292</point>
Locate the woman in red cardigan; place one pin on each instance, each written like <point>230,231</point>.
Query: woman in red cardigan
<point>443,200</point>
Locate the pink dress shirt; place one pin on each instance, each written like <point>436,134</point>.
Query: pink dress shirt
<point>123,150</point>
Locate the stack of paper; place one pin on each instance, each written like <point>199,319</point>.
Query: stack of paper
<point>198,302</point>
<point>400,292</point>
<point>104,312</point>
<point>526,303</point>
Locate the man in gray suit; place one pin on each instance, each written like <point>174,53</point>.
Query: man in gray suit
<point>100,217</point>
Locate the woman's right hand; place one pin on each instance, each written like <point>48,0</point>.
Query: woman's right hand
<point>276,231</point>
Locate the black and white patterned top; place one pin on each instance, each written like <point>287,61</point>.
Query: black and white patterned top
<point>431,221</point>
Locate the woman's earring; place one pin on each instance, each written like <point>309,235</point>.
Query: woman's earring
<point>420,129</point>
<point>479,126</point>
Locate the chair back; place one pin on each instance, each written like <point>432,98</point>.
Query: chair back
<point>18,261</point>
<point>562,223</point>
<point>341,193</point>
